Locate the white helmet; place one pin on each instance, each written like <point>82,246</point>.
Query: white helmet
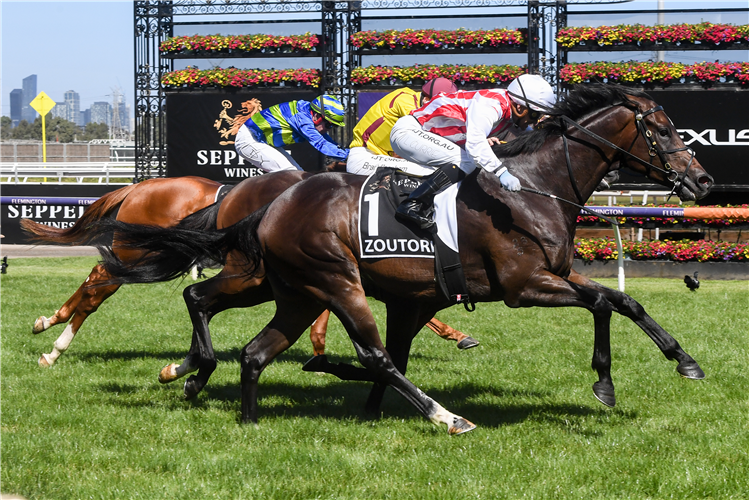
<point>532,91</point>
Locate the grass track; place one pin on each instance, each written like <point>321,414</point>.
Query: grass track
<point>99,425</point>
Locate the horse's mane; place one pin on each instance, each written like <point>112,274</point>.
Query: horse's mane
<point>581,101</point>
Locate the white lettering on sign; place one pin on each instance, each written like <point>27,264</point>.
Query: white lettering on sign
<point>45,212</point>
<point>220,157</point>
<point>740,138</point>
<point>242,172</point>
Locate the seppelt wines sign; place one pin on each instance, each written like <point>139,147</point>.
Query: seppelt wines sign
<point>57,206</point>
<point>200,140</point>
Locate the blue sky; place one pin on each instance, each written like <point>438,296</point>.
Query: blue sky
<point>87,46</point>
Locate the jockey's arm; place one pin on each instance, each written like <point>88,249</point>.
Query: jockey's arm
<point>322,143</point>
<point>480,120</point>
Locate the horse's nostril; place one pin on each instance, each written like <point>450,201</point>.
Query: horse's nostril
<point>706,179</point>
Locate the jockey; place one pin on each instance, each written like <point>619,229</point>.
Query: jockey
<point>261,139</point>
<point>453,134</point>
<point>370,147</point>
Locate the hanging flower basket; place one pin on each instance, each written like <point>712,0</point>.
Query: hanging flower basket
<point>410,41</point>
<point>192,77</point>
<point>649,72</point>
<point>420,73</point>
<point>678,251</point>
<point>239,45</point>
<point>661,37</point>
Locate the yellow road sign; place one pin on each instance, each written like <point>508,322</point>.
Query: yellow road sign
<point>42,103</point>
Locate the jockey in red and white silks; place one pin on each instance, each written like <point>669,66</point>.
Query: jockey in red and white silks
<point>453,133</point>
<point>453,128</point>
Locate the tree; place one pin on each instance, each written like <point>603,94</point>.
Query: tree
<point>95,131</point>
<point>6,130</point>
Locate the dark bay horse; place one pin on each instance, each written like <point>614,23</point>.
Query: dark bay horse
<point>162,203</point>
<point>515,247</point>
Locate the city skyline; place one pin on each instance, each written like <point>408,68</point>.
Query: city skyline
<point>69,107</point>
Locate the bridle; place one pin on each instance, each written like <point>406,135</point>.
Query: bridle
<point>676,178</point>
<point>668,172</point>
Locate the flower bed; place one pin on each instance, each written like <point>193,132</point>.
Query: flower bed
<point>655,72</point>
<point>438,39</point>
<point>216,44</point>
<point>192,77</point>
<point>712,35</point>
<point>679,251</point>
<point>666,221</point>
<point>396,75</point>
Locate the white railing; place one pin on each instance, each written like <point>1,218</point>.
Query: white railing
<point>54,173</point>
<point>611,196</point>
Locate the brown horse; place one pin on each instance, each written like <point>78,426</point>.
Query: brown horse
<point>163,203</point>
<point>515,247</point>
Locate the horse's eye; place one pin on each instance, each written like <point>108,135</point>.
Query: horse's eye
<point>664,132</point>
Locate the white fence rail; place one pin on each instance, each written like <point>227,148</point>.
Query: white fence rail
<point>73,172</point>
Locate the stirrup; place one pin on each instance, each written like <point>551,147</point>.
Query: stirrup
<point>409,214</point>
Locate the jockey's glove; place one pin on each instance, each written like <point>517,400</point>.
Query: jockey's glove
<point>508,181</point>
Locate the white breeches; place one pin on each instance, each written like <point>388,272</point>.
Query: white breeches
<point>409,141</point>
<point>263,156</point>
<point>362,161</point>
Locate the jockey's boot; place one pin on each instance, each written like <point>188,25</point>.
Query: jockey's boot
<point>418,207</point>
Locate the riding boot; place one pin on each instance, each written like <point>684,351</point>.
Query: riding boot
<point>418,207</point>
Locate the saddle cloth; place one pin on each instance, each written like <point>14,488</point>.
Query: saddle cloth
<point>382,236</point>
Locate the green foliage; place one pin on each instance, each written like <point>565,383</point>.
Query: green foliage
<point>95,131</point>
<point>99,425</point>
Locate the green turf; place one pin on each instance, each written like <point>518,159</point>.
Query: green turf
<point>99,425</point>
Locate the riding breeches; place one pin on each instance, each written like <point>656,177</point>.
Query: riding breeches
<point>409,141</point>
<point>362,161</point>
<point>265,157</point>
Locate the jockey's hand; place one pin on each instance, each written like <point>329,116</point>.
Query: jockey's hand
<point>494,140</point>
<point>509,181</point>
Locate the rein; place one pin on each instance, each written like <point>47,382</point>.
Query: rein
<point>674,177</point>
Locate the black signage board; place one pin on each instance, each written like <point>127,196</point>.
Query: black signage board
<point>715,124</point>
<point>198,136</point>
<point>54,205</point>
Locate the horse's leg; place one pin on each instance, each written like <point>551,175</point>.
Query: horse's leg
<point>227,290</point>
<point>449,333</point>
<point>291,320</point>
<point>85,301</point>
<point>403,323</point>
<point>317,333</point>
<point>350,306</point>
<point>547,290</point>
<point>629,307</point>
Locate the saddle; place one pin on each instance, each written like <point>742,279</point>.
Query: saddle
<point>382,236</point>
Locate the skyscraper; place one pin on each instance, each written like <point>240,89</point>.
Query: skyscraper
<point>73,103</point>
<point>29,93</point>
<point>16,105</point>
<point>101,112</point>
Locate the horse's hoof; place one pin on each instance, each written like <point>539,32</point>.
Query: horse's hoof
<point>467,343</point>
<point>605,394</point>
<point>44,361</point>
<point>690,369</point>
<point>41,324</point>
<point>460,426</point>
<point>315,363</point>
<point>168,374</point>
<point>191,388</point>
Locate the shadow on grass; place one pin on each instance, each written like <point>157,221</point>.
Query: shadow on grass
<point>346,400</point>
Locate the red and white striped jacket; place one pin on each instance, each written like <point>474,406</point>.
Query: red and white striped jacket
<point>467,118</point>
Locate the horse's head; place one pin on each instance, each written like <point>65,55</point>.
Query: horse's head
<point>660,154</point>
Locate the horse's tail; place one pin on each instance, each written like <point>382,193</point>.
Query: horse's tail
<point>171,252</point>
<point>78,233</point>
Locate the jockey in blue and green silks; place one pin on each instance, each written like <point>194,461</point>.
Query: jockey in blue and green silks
<point>261,139</point>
